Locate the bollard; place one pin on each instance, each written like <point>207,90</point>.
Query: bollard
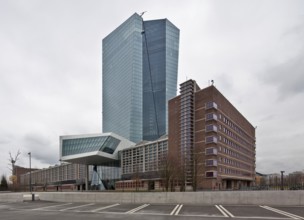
<point>33,197</point>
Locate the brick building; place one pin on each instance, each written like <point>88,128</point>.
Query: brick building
<point>213,143</point>
<point>19,171</point>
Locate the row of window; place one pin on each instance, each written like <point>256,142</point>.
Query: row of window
<point>236,146</point>
<point>213,116</point>
<point>133,184</point>
<point>234,163</point>
<point>214,151</point>
<point>143,158</point>
<point>233,172</point>
<point>57,173</point>
<point>236,137</point>
<point>235,127</point>
<point>234,154</point>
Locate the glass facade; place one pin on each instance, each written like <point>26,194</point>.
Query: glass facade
<point>140,60</point>
<point>122,80</point>
<point>160,59</point>
<point>105,144</point>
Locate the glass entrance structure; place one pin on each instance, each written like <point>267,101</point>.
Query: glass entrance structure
<point>94,149</point>
<point>100,152</point>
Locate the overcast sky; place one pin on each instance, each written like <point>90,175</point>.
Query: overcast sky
<point>50,69</point>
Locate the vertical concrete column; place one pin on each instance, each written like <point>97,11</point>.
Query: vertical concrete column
<point>87,177</point>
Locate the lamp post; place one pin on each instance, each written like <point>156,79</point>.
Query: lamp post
<point>30,173</point>
<point>282,180</point>
<point>33,195</point>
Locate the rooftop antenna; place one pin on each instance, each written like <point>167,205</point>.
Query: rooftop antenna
<point>141,14</point>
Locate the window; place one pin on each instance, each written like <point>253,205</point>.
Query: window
<point>211,116</point>
<point>211,174</point>
<point>210,105</point>
<point>211,151</point>
<point>211,128</point>
<point>210,163</point>
<point>211,139</point>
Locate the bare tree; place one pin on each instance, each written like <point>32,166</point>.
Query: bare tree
<point>12,162</point>
<point>136,176</point>
<point>166,170</point>
<point>197,165</point>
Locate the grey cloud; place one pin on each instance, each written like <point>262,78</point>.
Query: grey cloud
<point>50,71</point>
<point>289,76</point>
<point>41,148</point>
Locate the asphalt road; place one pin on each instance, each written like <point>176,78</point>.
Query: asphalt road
<point>42,210</point>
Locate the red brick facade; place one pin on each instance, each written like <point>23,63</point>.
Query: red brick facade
<point>212,139</point>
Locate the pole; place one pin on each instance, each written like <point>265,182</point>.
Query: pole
<point>30,172</point>
<point>282,180</point>
<point>30,158</point>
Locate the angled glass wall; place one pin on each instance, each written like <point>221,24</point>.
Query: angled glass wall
<point>139,76</point>
<point>122,80</point>
<point>160,63</point>
<point>106,144</point>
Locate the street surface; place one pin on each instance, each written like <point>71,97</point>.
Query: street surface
<point>42,210</point>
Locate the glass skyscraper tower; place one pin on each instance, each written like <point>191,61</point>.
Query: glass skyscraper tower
<point>139,64</point>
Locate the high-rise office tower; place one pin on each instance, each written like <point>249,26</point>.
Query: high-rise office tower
<point>140,61</point>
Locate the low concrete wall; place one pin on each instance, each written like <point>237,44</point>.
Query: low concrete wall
<point>11,197</point>
<point>295,198</point>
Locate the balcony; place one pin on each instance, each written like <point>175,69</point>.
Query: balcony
<point>210,105</point>
<point>211,139</point>
<point>211,151</point>
<point>210,128</point>
<point>211,116</point>
<point>211,174</point>
<point>211,163</point>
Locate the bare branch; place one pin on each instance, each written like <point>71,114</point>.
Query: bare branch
<point>17,155</point>
<point>12,159</point>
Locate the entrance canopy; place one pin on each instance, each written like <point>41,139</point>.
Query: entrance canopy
<point>92,149</point>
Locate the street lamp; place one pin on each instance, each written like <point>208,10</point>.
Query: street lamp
<point>282,180</point>
<point>33,195</point>
<point>30,172</point>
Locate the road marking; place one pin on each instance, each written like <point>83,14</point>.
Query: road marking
<point>75,207</point>
<point>173,211</point>
<point>225,210</point>
<point>105,207</point>
<point>282,212</point>
<point>221,211</point>
<point>137,209</point>
<point>178,210</point>
<point>41,208</point>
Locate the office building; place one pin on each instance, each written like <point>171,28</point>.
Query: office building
<point>142,164</point>
<point>213,143</point>
<point>139,76</point>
